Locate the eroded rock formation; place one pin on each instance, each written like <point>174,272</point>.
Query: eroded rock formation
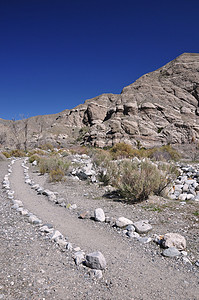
<point>159,108</point>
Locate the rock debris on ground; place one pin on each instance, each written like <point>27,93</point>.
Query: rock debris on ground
<point>37,265</point>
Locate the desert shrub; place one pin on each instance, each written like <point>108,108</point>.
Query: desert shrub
<point>56,175</point>
<point>48,164</point>
<point>101,157</point>
<point>82,132</point>
<point>166,152</point>
<point>6,154</point>
<point>17,153</point>
<point>121,150</point>
<point>34,157</point>
<point>79,150</point>
<point>135,182</point>
<point>46,147</point>
<point>36,151</point>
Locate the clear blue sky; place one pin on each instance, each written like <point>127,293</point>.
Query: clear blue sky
<point>55,54</point>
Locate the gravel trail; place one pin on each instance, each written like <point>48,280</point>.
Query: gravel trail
<point>133,272</point>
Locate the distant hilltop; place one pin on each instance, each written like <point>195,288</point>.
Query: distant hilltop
<point>160,107</point>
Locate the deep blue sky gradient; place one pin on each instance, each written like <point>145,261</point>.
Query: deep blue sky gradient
<point>56,54</point>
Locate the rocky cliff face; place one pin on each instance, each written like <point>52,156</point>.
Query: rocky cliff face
<point>159,108</point>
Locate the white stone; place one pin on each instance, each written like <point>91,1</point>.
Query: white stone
<point>56,235</point>
<point>182,197</point>
<point>122,222</point>
<point>18,202</point>
<point>99,215</point>
<point>142,226</point>
<point>190,196</point>
<point>34,220</point>
<point>174,240</point>
<point>133,234</point>
<point>79,257</point>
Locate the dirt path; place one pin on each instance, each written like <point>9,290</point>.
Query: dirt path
<point>132,271</point>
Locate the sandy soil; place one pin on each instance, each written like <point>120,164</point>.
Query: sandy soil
<point>34,268</point>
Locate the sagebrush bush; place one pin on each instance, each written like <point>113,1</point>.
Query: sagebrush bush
<point>56,175</point>
<point>34,157</point>
<point>137,181</point>
<point>36,151</point>
<point>121,150</point>
<point>17,153</point>
<point>49,164</point>
<point>165,153</point>
<point>101,157</point>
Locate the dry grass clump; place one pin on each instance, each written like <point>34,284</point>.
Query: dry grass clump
<point>36,151</point>
<point>46,147</point>
<point>56,175</point>
<point>14,153</point>
<point>79,150</point>
<point>6,154</point>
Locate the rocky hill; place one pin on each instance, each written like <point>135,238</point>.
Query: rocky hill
<point>160,107</point>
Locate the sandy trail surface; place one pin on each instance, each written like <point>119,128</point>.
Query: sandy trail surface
<point>133,272</point>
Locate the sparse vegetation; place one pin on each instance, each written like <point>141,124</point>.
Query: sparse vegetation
<point>6,154</point>
<point>166,152</point>
<point>47,147</point>
<point>56,175</point>
<point>15,153</point>
<point>135,181</point>
<point>82,132</point>
<point>56,167</point>
<point>34,157</point>
<point>36,151</point>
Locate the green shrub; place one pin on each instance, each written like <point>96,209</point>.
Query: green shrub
<point>56,175</point>
<point>34,157</point>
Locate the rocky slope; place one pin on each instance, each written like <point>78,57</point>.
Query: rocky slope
<point>159,108</point>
